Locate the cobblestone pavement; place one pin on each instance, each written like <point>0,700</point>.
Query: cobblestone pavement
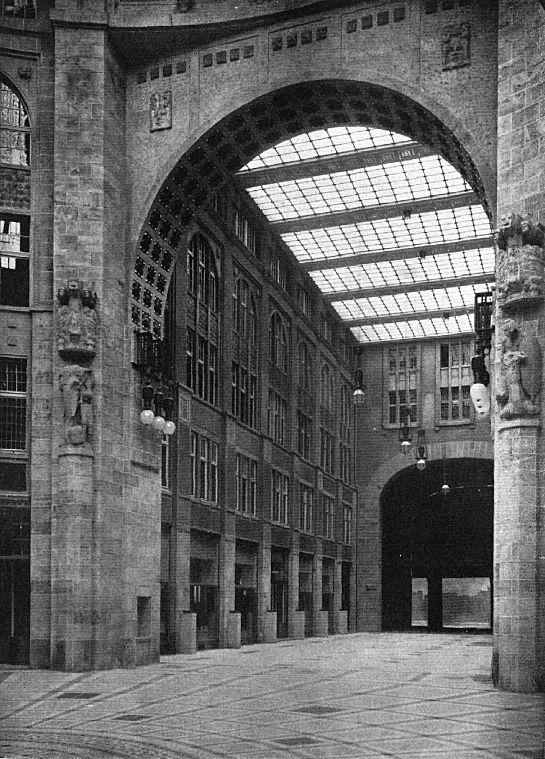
<point>344,697</point>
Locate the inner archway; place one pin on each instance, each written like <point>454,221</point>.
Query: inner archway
<point>437,546</point>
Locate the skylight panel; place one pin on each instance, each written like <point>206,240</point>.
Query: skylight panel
<point>325,142</point>
<point>414,329</point>
<point>445,225</point>
<point>364,187</point>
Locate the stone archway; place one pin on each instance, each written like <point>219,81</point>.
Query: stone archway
<point>233,140</point>
<point>369,581</point>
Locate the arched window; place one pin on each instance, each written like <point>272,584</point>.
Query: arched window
<point>244,366</point>
<point>202,346</point>
<point>305,367</point>
<point>278,343</point>
<point>14,128</point>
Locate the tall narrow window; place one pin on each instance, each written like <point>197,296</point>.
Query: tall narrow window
<point>245,232</point>
<point>455,380</point>
<point>328,516</point>
<point>203,329</point>
<point>278,343</point>
<point>165,462</point>
<point>276,417</point>
<point>13,395</point>
<point>305,368</point>
<point>244,367</point>
<point>402,368</point>
<point>279,497</point>
<point>203,455</point>
<point>345,458</point>
<point>304,435</point>
<point>246,484</point>
<point>14,259</point>
<point>306,509</point>
<point>347,524</point>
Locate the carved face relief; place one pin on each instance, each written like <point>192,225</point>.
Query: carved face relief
<point>455,46</point>
<point>160,110</point>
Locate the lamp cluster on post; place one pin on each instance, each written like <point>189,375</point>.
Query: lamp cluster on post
<point>154,362</point>
<point>405,439</point>
<point>479,392</point>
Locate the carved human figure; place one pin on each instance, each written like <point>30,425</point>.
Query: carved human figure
<point>76,384</point>
<point>521,259</point>
<point>519,377</point>
<point>77,321</point>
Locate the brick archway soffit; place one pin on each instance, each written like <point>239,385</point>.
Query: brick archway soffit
<point>222,149</point>
<point>453,450</point>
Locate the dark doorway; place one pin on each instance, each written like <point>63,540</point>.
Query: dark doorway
<point>437,548</point>
<point>279,590</point>
<point>14,585</point>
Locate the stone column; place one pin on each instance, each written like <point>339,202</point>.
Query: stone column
<point>264,584</point>
<point>320,618</point>
<point>294,616</point>
<point>518,497</point>
<point>226,587</point>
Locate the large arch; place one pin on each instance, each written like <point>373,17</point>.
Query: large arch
<point>369,528</point>
<point>219,150</point>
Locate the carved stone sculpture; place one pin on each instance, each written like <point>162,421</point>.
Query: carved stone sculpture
<point>160,110</point>
<point>519,375</point>
<point>455,46</point>
<point>76,384</point>
<point>77,323</point>
<point>521,262</point>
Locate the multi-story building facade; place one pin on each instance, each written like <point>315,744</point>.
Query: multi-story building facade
<point>129,205</point>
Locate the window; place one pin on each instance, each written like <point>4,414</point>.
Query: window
<point>14,260</point>
<point>245,232</point>
<point>279,497</point>
<point>304,435</point>
<point>328,513</point>
<point>326,451</point>
<point>202,334</point>
<point>403,378</point>
<point>165,462</point>
<point>327,389</point>
<point>345,463</point>
<point>305,368</point>
<point>306,509</point>
<point>244,369</point>
<point>455,380</point>
<point>14,128</point>
<point>203,468</point>
<point>13,389</point>
<point>279,271</point>
<point>278,343</point>
<point>327,330</point>
<point>246,484</point>
<point>276,417</point>
<point>347,524</point>
<point>304,302</point>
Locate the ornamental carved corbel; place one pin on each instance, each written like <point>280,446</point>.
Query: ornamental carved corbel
<point>518,383</point>
<point>77,322</point>
<point>521,259</point>
<point>76,384</point>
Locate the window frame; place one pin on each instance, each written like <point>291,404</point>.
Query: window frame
<point>462,368</point>
<point>387,373</point>
<point>280,488</point>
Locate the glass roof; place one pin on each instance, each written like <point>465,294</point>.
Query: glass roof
<point>398,182</point>
<point>460,223</point>
<point>324,142</point>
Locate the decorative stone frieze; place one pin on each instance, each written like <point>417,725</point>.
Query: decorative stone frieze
<point>519,373</point>
<point>160,110</point>
<point>521,259</point>
<point>76,384</point>
<point>77,322</point>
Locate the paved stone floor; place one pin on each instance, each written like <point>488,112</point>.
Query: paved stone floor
<point>352,696</point>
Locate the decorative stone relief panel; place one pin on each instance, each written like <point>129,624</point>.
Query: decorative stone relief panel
<point>76,384</point>
<point>77,322</point>
<point>519,372</point>
<point>160,110</point>
<point>521,259</point>
<point>455,51</point>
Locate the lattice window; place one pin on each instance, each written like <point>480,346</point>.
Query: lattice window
<point>13,399</point>
<point>305,368</point>
<point>14,125</point>
<point>304,435</point>
<point>347,524</point>
<point>278,343</point>
<point>245,232</point>
<point>279,270</point>
<point>244,368</point>
<point>279,497</point>
<point>276,417</point>
<point>26,9</point>
<point>14,260</point>
<point>327,458</point>
<point>246,484</point>
<point>306,508</point>
<point>203,456</point>
<point>328,516</point>
<point>455,380</point>
<point>202,338</point>
<point>403,372</point>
